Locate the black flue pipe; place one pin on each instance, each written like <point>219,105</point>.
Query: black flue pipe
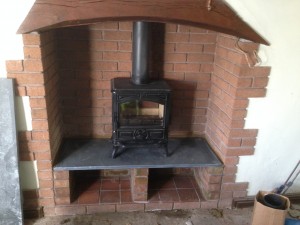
<point>140,53</point>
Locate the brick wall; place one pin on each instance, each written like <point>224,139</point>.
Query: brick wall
<point>66,74</point>
<point>37,77</point>
<point>234,81</point>
<point>90,56</point>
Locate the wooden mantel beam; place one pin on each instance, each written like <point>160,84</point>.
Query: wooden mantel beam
<point>209,14</point>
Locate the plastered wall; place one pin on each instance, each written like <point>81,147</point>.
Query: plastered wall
<point>277,115</point>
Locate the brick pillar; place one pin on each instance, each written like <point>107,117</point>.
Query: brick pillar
<point>139,185</point>
<point>62,187</point>
<point>209,180</point>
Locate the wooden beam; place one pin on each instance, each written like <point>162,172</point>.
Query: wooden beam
<point>209,14</point>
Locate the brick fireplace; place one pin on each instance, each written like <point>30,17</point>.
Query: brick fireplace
<point>66,73</point>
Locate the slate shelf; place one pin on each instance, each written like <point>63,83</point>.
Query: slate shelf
<point>95,154</point>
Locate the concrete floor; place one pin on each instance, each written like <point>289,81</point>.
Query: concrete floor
<point>174,217</point>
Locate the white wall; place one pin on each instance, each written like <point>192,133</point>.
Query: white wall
<point>12,13</point>
<point>277,116</point>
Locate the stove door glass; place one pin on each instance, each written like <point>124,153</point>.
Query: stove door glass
<point>141,113</point>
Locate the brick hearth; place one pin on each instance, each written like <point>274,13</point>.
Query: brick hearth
<point>66,74</point>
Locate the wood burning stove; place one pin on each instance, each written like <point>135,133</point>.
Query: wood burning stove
<point>140,107</point>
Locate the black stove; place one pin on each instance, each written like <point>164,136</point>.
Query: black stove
<point>140,107</point>
<point>140,115</point>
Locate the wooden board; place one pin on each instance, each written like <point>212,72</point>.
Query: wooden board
<point>213,15</point>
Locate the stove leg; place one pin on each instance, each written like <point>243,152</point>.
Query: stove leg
<point>117,151</point>
<point>114,153</point>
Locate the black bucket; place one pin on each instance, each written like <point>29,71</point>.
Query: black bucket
<point>274,201</point>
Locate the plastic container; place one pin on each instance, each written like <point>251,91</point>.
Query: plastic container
<point>292,222</point>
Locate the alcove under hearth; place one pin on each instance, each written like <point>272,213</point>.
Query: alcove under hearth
<point>66,74</point>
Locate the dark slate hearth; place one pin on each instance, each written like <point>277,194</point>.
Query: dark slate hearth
<point>95,154</point>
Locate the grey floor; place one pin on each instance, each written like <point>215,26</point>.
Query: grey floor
<point>175,217</point>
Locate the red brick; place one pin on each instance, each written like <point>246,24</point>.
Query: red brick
<point>252,72</point>
<point>180,47</point>
<point>201,77</point>
<point>61,175</point>
<point>14,66</point>
<point>117,35</point>
<point>234,142</point>
<point>40,125</point>
<point>170,48</point>
<point>39,113</point>
<point>32,52</point>
<point>62,200</point>
<point>105,46</point>
<point>46,193</point>
<point>61,183</point>
<point>206,68</point>
<point>200,57</point>
<point>209,48</point>
<point>186,67</point>
<point>31,39</point>
<point>229,170</point>
<point>46,202</point>
<point>29,78</point>
<point>175,57</point>
<point>243,133</point>
<point>46,183</point>
<point>35,146</point>
<point>228,178</point>
<point>44,165</point>
<point>244,83</point>
<point>127,25</point>
<point>248,141</point>
<point>37,102</point>
<point>46,155</point>
<point>124,66</point>
<point>249,93</point>
<point>203,38</point>
<point>36,91</point>
<point>234,186</point>
<point>260,82</point>
<point>225,203</point>
<point>33,65</point>
<point>177,37</point>
<point>140,172</point>
<point>231,160</point>
<point>226,195</point>
<point>62,192</point>
<point>117,56</point>
<point>45,175</point>
<point>239,194</point>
